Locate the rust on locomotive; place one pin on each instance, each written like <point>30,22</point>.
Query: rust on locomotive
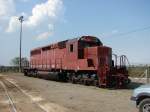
<point>83,60</point>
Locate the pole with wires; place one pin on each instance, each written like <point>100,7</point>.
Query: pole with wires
<point>20,46</point>
<point>147,74</point>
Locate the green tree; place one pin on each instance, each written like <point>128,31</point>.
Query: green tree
<point>15,61</point>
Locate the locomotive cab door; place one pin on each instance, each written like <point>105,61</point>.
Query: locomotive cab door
<point>80,50</point>
<point>71,54</point>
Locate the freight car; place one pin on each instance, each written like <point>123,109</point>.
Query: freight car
<point>83,60</point>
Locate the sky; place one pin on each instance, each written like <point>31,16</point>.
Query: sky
<point>123,25</point>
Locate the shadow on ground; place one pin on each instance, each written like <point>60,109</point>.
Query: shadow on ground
<point>131,86</point>
<point>134,85</point>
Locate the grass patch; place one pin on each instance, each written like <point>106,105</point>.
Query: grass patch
<point>137,71</point>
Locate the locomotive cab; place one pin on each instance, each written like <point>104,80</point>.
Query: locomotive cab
<point>99,57</point>
<point>87,42</point>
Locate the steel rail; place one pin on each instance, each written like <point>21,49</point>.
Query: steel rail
<point>26,94</point>
<point>13,107</point>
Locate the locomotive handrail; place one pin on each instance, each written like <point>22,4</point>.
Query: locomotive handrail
<point>123,60</point>
<point>115,55</point>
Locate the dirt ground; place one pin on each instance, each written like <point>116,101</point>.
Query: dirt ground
<point>19,93</point>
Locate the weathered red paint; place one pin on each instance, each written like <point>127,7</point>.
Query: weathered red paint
<point>75,55</point>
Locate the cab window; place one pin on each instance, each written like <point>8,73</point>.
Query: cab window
<point>71,48</point>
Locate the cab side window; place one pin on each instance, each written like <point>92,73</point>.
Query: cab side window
<point>71,48</point>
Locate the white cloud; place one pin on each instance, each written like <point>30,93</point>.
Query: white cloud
<point>43,14</point>
<point>43,36</point>
<point>7,7</point>
<point>44,11</point>
<point>13,24</point>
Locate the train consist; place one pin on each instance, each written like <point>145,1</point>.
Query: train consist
<point>83,60</point>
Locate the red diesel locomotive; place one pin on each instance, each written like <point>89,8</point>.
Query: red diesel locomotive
<point>81,60</point>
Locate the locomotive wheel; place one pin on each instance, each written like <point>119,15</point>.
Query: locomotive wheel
<point>95,83</point>
<point>74,80</point>
<point>81,81</point>
<point>35,73</point>
<point>25,73</point>
<point>30,73</point>
<point>86,82</point>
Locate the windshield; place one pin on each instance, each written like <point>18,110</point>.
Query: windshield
<point>84,44</point>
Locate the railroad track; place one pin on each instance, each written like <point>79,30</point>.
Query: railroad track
<point>11,103</point>
<point>22,101</point>
<point>14,94</point>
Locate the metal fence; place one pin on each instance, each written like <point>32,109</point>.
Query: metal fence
<point>136,71</point>
<point>9,69</point>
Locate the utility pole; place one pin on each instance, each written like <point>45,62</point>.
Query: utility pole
<point>148,74</point>
<point>20,46</point>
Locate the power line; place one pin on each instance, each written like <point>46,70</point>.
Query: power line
<point>130,32</point>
